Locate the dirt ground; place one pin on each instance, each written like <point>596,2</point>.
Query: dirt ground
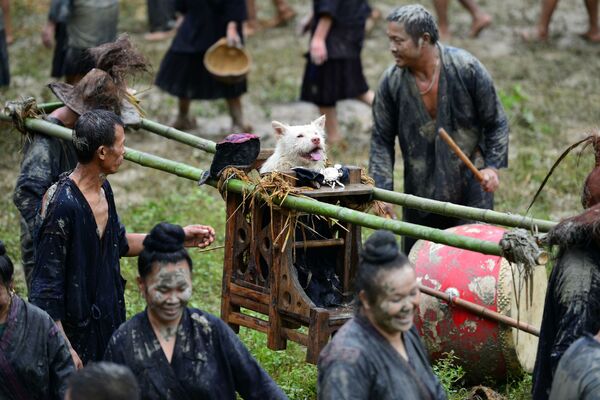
<point>551,93</point>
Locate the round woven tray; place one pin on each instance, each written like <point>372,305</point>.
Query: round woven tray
<point>227,64</point>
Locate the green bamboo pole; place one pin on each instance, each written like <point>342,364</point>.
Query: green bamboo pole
<point>49,107</point>
<point>155,127</point>
<point>292,202</point>
<point>180,136</point>
<point>464,212</point>
<point>402,199</point>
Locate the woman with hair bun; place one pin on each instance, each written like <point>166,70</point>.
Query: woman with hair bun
<point>177,352</point>
<point>34,358</point>
<point>378,353</point>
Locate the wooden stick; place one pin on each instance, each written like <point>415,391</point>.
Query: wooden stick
<point>480,310</point>
<point>446,138</point>
<point>210,249</point>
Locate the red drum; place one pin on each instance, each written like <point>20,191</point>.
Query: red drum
<point>487,350</point>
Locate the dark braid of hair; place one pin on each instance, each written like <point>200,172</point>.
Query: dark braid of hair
<point>6,266</point>
<point>379,253</point>
<point>164,244</point>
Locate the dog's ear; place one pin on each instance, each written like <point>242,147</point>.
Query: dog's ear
<point>280,128</point>
<point>319,122</point>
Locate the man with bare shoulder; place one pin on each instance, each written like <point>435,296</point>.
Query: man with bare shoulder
<point>77,277</point>
<point>432,86</point>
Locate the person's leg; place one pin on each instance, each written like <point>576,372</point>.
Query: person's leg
<point>284,11</point>
<point>481,20</point>
<point>184,121</point>
<point>161,19</point>
<point>543,25</point>
<point>332,128</point>
<point>367,97</point>
<point>251,25</point>
<point>441,9</point>
<point>592,34</point>
<point>237,115</point>
<point>284,14</point>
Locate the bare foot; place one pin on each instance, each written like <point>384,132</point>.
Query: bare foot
<point>592,37</point>
<point>282,18</point>
<point>533,36</point>
<point>287,14</point>
<point>244,128</point>
<point>184,123</point>
<point>10,39</point>
<point>479,24</point>
<point>251,27</point>
<point>159,35</point>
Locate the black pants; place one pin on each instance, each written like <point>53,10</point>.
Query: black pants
<point>161,15</point>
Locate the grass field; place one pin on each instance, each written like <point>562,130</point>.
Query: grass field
<point>551,93</point>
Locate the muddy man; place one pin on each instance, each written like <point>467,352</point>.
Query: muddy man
<point>432,86</point>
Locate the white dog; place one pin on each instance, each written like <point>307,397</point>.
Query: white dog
<point>298,146</point>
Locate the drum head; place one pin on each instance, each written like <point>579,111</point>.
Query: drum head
<point>523,300</point>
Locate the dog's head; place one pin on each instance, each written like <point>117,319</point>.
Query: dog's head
<point>304,141</point>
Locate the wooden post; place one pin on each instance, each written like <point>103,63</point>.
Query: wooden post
<point>227,308</point>
<point>319,333</point>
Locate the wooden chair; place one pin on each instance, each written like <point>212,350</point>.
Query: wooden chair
<point>261,290</point>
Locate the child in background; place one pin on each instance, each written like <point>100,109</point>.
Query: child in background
<point>334,69</point>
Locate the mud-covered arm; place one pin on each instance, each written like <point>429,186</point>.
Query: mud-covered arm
<point>60,362</point>
<point>382,153</point>
<point>38,171</point>
<point>251,381</point>
<point>492,118</point>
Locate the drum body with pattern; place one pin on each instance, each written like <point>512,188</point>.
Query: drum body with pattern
<point>487,350</point>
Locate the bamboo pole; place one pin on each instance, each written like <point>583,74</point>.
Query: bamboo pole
<point>307,205</point>
<point>403,199</point>
<point>49,107</point>
<point>155,127</point>
<point>481,310</point>
<point>180,136</point>
<point>463,212</point>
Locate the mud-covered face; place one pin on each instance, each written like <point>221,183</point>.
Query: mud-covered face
<point>397,301</point>
<point>402,46</point>
<point>167,290</point>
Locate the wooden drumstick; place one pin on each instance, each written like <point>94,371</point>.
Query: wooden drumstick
<point>446,138</point>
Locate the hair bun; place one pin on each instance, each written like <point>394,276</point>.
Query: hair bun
<point>380,248</point>
<point>2,248</point>
<point>165,238</point>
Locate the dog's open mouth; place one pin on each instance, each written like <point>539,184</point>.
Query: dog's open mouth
<point>314,155</point>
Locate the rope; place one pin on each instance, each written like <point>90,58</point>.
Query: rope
<point>520,247</point>
<point>19,111</point>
